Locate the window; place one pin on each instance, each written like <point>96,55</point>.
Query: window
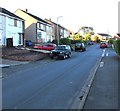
<point>19,24</point>
<point>38,25</point>
<point>11,21</point>
<point>42,26</point>
<point>15,22</point>
<point>48,28</point>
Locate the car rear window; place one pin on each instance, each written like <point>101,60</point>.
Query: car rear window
<point>60,47</point>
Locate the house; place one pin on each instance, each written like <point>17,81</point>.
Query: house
<point>62,31</point>
<point>11,29</point>
<point>84,29</point>
<point>117,36</point>
<point>101,36</point>
<point>36,29</point>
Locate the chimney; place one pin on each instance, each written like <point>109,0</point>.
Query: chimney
<point>26,10</point>
<point>49,19</point>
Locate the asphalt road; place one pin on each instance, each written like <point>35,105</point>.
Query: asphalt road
<point>48,84</point>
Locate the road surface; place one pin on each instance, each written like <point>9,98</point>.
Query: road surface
<point>49,84</point>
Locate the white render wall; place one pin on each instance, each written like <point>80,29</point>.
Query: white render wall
<point>2,30</point>
<point>9,31</point>
<point>12,32</point>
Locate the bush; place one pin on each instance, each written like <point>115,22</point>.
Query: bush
<point>111,41</point>
<point>98,40</point>
<point>75,41</point>
<point>117,46</point>
<point>54,41</point>
<point>65,41</point>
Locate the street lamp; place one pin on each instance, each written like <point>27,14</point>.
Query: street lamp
<point>57,30</point>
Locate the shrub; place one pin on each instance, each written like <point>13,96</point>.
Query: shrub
<point>54,41</point>
<point>97,40</point>
<point>75,41</point>
<point>117,46</point>
<point>65,41</point>
<point>111,41</point>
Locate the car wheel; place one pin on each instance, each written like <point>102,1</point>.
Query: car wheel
<point>69,55</point>
<point>52,57</point>
<point>83,50</point>
<point>64,57</point>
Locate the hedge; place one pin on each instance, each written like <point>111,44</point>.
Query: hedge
<point>117,46</point>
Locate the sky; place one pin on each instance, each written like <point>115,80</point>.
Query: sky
<point>102,15</point>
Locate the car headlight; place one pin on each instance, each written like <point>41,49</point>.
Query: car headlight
<point>51,52</point>
<point>61,52</point>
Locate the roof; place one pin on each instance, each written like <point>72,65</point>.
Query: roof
<point>52,22</point>
<point>118,34</point>
<point>2,10</point>
<point>56,24</point>
<point>102,34</point>
<point>37,18</point>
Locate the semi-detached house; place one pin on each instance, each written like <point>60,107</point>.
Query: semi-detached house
<point>36,29</point>
<point>62,31</point>
<point>11,29</point>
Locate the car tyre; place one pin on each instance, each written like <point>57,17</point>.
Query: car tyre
<point>69,55</point>
<point>64,57</point>
<point>52,57</point>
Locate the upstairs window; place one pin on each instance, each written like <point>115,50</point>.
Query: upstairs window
<point>15,22</point>
<point>11,22</point>
<point>19,24</point>
<point>42,26</point>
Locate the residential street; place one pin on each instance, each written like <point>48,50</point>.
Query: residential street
<point>49,84</point>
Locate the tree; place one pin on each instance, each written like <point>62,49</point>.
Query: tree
<point>87,36</point>
<point>77,36</point>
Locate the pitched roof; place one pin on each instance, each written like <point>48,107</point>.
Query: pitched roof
<point>118,34</point>
<point>102,34</point>
<point>54,23</point>
<point>3,10</point>
<point>37,18</point>
<point>51,21</point>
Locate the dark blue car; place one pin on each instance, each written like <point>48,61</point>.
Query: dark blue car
<point>90,43</point>
<point>28,43</point>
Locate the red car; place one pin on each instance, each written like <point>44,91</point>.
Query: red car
<point>48,47</point>
<point>103,45</point>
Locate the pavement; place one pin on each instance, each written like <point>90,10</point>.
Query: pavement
<point>103,93</point>
<point>5,63</point>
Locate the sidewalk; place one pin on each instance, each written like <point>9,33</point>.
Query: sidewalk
<point>4,63</point>
<point>104,90</point>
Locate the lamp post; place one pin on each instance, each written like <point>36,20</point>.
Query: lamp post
<point>57,30</point>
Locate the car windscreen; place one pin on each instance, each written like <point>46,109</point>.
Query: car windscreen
<point>60,48</point>
<point>78,44</point>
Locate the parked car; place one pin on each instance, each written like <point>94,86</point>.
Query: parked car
<point>61,52</point>
<point>103,45</point>
<point>80,47</point>
<point>28,43</point>
<point>48,47</point>
<point>90,43</point>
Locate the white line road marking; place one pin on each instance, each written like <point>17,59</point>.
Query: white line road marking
<point>101,64</point>
<point>103,53</point>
